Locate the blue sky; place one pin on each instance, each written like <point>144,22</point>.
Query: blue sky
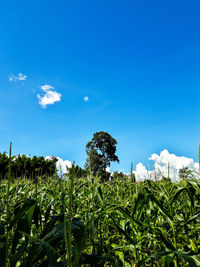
<point>138,62</point>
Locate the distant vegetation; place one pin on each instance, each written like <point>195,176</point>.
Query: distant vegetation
<point>100,153</point>
<point>26,167</point>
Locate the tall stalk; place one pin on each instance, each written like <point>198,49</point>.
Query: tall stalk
<point>67,223</point>
<point>91,208</point>
<point>132,180</point>
<point>7,206</point>
<point>199,157</point>
<point>71,186</point>
<point>168,169</point>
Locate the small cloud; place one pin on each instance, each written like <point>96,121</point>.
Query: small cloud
<point>46,87</point>
<point>86,98</point>
<point>19,77</point>
<point>50,96</point>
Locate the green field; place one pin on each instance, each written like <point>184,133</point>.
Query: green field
<point>81,222</point>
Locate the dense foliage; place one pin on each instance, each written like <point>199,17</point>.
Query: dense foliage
<point>26,167</point>
<point>81,222</point>
<point>77,171</point>
<point>101,151</point>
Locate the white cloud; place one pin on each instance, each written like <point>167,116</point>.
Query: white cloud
<point>50,96</point>
<point>19,77</point>
<point>141,172</point>
<point>46,87</point>
<point>86,98</point>
<point>61,165</point>
<point>162,163</point>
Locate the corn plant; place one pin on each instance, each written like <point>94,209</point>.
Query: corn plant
<point>70,221</point>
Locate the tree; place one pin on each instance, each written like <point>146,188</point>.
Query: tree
<point>4,162</point>
<point>26,167</point>
<point>76,171</point>
<point>120,176</point>
<point>101,152</point>
<point>185,173</point>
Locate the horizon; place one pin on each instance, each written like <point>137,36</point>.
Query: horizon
<point>71,69</point>
<point>164,164</point>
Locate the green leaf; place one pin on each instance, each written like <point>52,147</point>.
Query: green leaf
<point>30,215</point>
<point>157,202</point>
<point>187,222</point>
<point>20,211</point>
<point>160,254</point>
<point>123,232</point>
<point>49,251</point>
<point>48,210</point>
<point>167,243</point>
<point>100,192</point>
<point>187,258</point>
<point>177,193</point>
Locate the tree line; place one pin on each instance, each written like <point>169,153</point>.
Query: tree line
<point>26,167</point>
<point>100,150</point>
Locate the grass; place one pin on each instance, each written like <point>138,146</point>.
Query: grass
<point>82,222</point>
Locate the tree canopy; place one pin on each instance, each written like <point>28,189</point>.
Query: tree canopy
<point>101,151</point>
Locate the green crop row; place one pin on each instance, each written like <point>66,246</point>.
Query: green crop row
<point>82,222</point>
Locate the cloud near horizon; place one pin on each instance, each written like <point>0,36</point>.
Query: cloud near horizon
<point>50,96</point>
<point>19,77</point>
<point>61,165</point>
<point>162,164</point>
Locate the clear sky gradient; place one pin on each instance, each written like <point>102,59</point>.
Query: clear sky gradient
<point>138,62</point>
